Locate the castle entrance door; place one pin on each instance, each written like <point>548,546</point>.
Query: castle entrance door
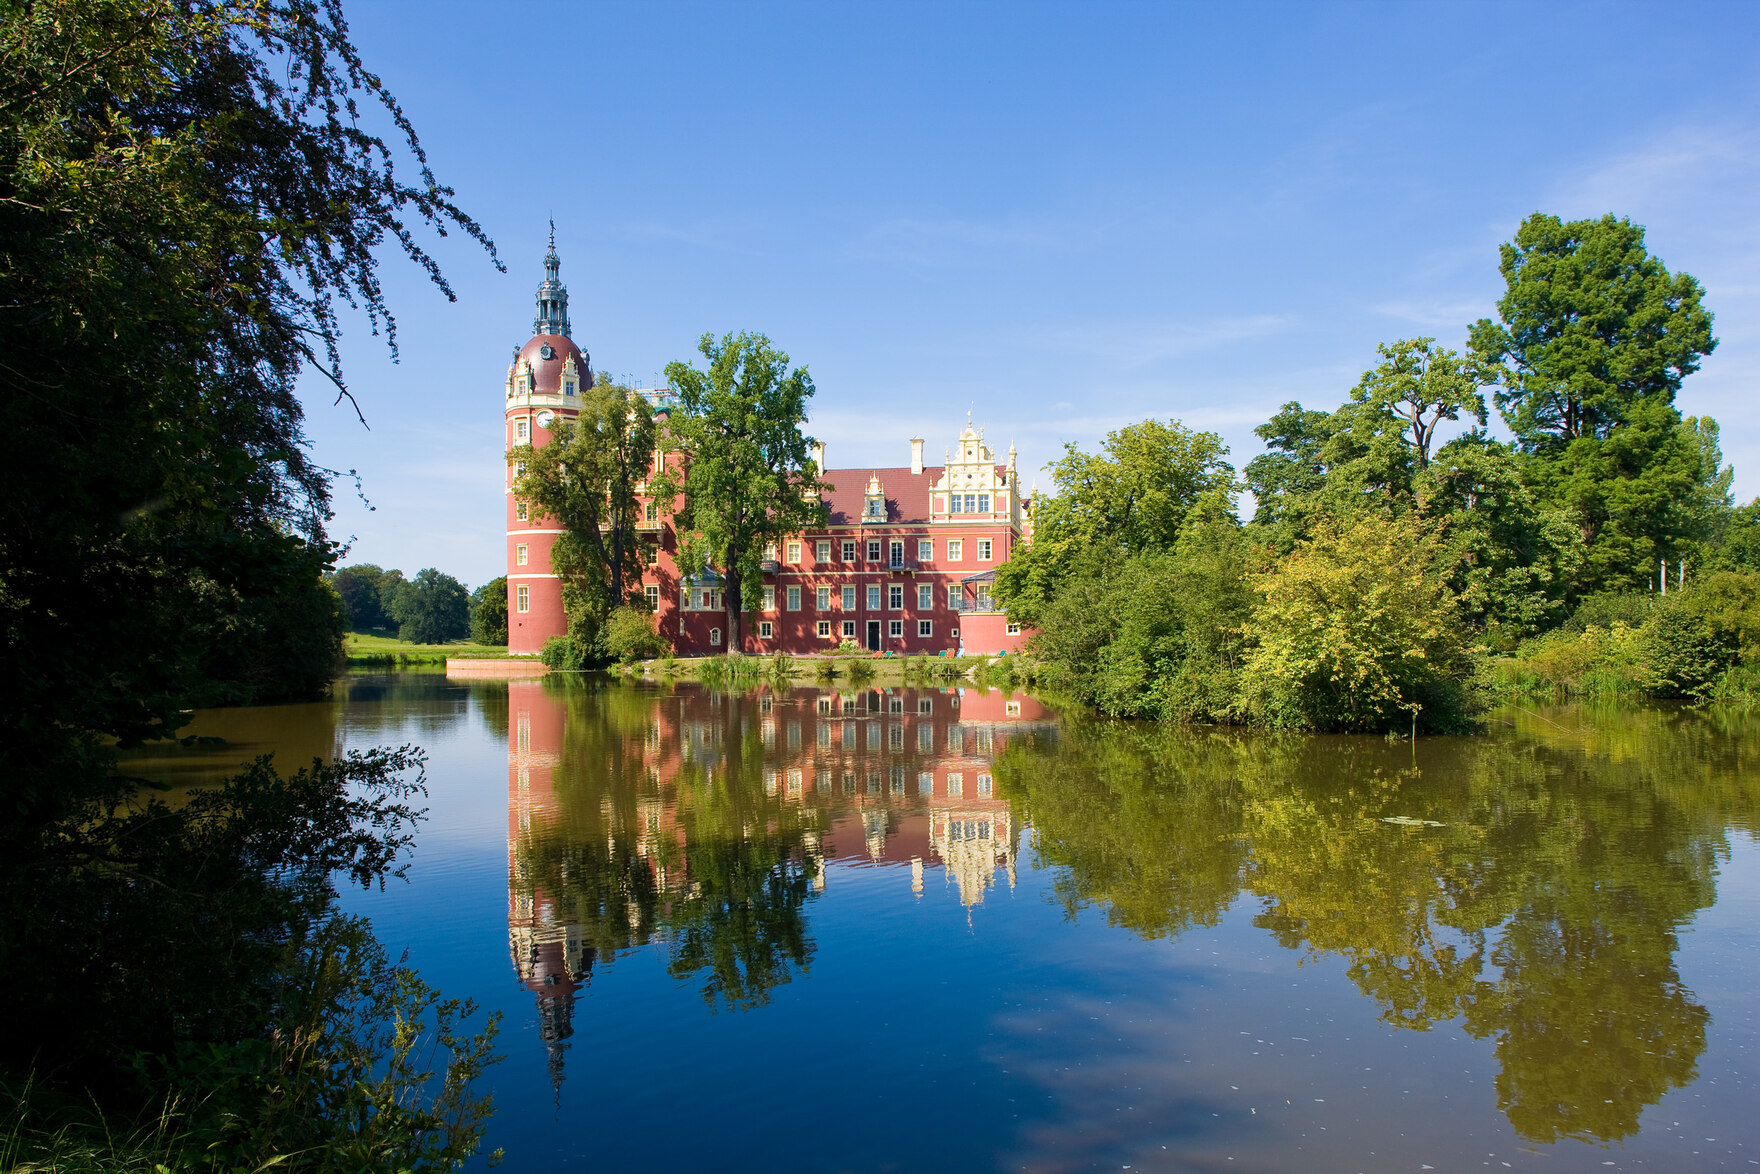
<point>873,635</point>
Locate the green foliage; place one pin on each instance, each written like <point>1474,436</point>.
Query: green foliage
<point>489,612</point>
<point>1154,634</point>
<point>431,608</point>
<point>1590,326</point>
<point>1133,496</point>
<point>1421,384</point>
<point>1702,643</point>
<point>630,635</point>
<point>345,1083</point>
<point>361,587</point>
<point>192,189</point>
<point>1641,493</point>
<point>1357,630</point>
<point>585,480</point>
<point>565,654</point>
<point>1516,561</point>
<point>748,478</point>
<point>1684,654</point>
<point>1737,542</point>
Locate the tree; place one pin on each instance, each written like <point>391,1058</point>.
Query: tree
<point>1422,384</point>
<point>1131,497</point>
<point>748,478</point>
<point>431,608</point>
<point>1285,478</point>
<point>586,479</point>
<point>361,587</point>
<point>489,612</point>
<point>189,192</point>
<point>1516,561</point>
<point>1646,491</point>
<point>1589,325</point>
<point>1357,630</point>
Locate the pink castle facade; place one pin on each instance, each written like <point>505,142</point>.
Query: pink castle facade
<point>905,563</point>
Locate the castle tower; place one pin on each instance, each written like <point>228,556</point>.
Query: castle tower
<point>544,386</point>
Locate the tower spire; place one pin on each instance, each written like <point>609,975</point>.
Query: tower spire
<point>552,294</point>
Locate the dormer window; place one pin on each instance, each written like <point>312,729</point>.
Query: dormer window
<point>568,387</point>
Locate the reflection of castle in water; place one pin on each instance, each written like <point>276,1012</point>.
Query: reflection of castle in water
<point>606,792</point>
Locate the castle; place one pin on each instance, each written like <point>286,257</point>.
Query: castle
<point>904,563</point>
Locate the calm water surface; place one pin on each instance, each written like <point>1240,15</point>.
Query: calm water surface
<point>916,929</point>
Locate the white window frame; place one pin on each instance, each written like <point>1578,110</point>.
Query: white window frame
<point>794,552</point>
<point>895,553</point>
<point>984,785</point>
<point>652,594</point>
<point>956,597</point>
<point>956,784</point>
<point>983,550</point>
<point>794,598</point>
<point>956,550</point>
<point>824,629</point>
<point>849,629</point>
<point>715,637</point>
<point>849,599</point>
<point>895,597</point>
<point>822,550</point>
<point>520,554</point>
<point>521,511</point>
<point>522,429</point>
<point>522,598</point>
<point>925,596</point>
<point>873,550</point>
<point>822,598</point>
<point>1014,629</point>
<point>849,550</point>
<point>925,629</point>
<point>769,597</point>
<point>764,629</point>
<point>895,629</point>
<point>873,599</point>
<point>925,550</point>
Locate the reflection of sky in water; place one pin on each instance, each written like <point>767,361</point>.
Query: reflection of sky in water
<point>1168,954</point>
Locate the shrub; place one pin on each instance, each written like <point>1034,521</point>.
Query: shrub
<point>630,635</point>
<point>1357,630</point>
<point>1683,655</point>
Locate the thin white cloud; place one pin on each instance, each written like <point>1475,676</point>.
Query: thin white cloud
<point>914,241</point>
<point>1140,343</point>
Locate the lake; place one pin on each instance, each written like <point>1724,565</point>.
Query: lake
<point>924,929</point>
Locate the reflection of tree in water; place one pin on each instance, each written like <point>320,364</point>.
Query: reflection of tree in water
<point>634,846</point>
<point>1542,913</point>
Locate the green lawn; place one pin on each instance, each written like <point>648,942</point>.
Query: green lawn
<point>373,649</point>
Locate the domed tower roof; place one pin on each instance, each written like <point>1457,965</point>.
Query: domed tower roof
<point>551,357</point>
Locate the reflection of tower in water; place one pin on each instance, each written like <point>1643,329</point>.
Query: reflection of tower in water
<point>551,959</point>
<point>601,790</point>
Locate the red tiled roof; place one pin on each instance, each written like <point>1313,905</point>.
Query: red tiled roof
<point>907,493</point>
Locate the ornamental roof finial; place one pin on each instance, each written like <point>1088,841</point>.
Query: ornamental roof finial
<point>552,294</point>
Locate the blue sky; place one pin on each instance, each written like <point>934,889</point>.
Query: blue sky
<point>1063,218</point>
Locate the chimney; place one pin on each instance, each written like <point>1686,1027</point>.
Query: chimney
<point>916,454</point>
<point>819,455</point>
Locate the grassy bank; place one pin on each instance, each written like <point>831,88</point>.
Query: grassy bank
<point>389,650</point>
<point>854,670</point>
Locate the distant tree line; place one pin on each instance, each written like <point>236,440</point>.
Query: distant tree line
<point>1383,566</point>
<point>432,608</point>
